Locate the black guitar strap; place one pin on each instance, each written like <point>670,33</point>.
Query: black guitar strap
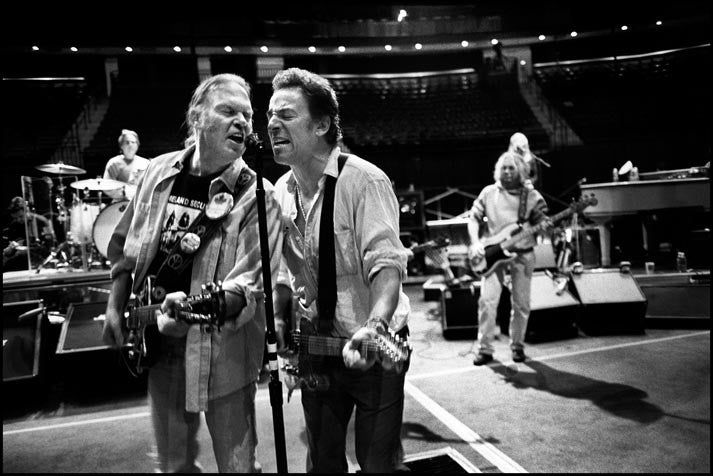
<point>523,205</point>
<point>327,288</point>
<point>178,259</point>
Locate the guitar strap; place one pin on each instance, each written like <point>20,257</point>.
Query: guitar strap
<point>523,205</point>
<point>327,288</point>
<point>203,226</point>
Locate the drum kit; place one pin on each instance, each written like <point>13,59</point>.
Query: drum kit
<point>83,216</point>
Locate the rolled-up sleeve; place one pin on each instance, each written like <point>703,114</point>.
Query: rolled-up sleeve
<point>377,229</point>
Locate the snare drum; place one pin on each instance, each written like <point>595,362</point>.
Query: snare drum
<point>105,224</point>
<point>81,221</point>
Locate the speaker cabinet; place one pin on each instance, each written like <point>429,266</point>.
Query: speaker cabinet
<point>82,329</point>
<point>553,310</point>
<point>612,302</point>
<point>459,310</point>
<point>22,340</point>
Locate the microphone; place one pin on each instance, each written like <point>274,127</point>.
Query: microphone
<point>253,141</point>
<point>30,314</point>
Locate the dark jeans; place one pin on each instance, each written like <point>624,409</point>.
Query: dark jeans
<point>378,396</point>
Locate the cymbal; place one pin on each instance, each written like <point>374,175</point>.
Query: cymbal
<point>97,184</point>
<point>60,168</point>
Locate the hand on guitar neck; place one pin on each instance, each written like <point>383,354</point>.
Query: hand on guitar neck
<point>352,351</point>
<point>166,320</point>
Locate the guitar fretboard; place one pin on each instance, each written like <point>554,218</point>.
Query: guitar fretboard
<point>324,345</point>
<point>534,229</point>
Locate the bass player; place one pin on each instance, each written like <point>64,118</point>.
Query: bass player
<point>500,204</point>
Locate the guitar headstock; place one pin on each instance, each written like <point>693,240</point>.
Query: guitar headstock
<point>440,242</point>
<point>393,347</point>
<point>208,307</point>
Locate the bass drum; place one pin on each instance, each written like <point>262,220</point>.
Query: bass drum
<point>105,224</point>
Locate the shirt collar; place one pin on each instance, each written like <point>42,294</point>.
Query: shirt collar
<point>229,176</point>
<point>332,168</point>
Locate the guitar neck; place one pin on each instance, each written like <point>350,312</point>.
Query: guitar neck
<point>329,346</point>
<point>531,230</point>
<point>146,314</point>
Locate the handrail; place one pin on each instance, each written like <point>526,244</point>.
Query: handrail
<point>438,198</point>
<point>70,150</point>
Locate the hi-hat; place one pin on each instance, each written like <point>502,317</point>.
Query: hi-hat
<point>97,184</point>
<point>60,168</point>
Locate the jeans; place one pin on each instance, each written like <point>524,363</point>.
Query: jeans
<point>378,396</point>
<point>521,269</point>
<point>230,420</point>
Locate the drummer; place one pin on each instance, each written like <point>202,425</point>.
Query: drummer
<point>126,167</point>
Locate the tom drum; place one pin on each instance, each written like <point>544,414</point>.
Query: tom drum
<point>105,223</point>
<point>81,221</point>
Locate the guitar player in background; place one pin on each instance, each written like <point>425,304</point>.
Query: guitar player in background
<point>500,204</point>
<point>346,264</point>
<point>193,221</point>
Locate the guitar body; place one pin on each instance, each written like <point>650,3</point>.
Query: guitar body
<point>495,255</point>
<point>144,341</point>
<point>313,367</point>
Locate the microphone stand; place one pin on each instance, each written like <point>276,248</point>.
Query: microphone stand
<point>254,142</point>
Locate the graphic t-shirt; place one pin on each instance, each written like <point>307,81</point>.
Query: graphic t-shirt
<point>188,198</point>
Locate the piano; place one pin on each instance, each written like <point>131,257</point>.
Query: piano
<point>669,189</point>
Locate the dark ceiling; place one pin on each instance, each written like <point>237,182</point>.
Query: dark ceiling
<point>117,23</point>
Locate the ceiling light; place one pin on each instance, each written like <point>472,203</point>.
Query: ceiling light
<point>312,49</point>
<point>624,27</point>
<point>542,37</point>
<point>35,48</point>
<point>387,47</point>
<point>128,49</point>
<point>342,49</point>
<point>264,49</point>
<point>658,23</point>
<point>74,49</point>
<point>494,41</point>
<point>177,49</point>
<point>228,49</point>
<point>573,34</point>
<point>418,46</point>
<point>464,43</point>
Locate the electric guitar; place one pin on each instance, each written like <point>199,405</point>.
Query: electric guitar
<point>499,249</point>
<point>206,309</point>
<point>312,350</point>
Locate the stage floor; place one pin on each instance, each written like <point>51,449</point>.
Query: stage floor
<point>622,403</point>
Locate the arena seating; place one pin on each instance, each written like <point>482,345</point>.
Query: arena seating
<point>427,108</point>
<point>38,114</point>
<point>628,98</point>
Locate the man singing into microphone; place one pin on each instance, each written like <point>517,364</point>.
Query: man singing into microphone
<point>194,221</point>
<point>520,145</point>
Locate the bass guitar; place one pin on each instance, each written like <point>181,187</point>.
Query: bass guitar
<point>499,249</point>
<point>206,309</point>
